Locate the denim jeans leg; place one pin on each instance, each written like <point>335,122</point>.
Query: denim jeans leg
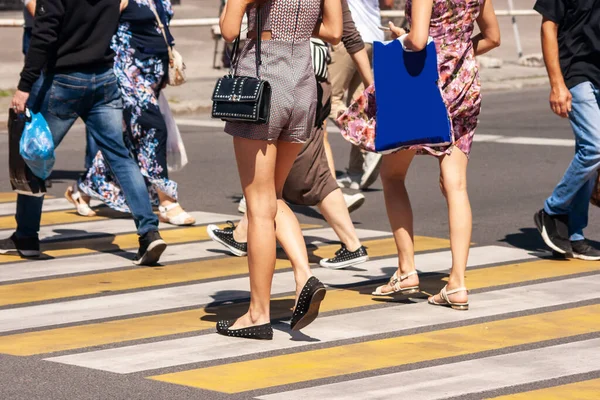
<point>91,149</point>
<point>29,208</point>
<point>578,216</point>
<point>105,124</point>
<point>585,121</point>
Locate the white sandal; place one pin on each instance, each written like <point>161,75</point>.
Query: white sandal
<point>395,284</point>
<point>444,293</point>
<point>82,207</point>
<point>181,219</point>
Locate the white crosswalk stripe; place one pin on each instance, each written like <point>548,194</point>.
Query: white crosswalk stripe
<point>202,287</point>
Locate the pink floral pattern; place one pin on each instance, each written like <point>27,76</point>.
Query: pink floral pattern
<point>357,124</point>
<point>451,27</point>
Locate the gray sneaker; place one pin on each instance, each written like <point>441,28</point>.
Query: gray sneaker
<point>349,182</point>
<point>371,167</point>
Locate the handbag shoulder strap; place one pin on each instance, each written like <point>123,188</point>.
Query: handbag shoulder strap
<point>162,27</point>
<point>236,44</point>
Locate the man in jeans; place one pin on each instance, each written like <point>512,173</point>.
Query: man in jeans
<point>71,38</point>
<point>571,46</point>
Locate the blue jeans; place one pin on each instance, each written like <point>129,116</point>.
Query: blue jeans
<point>26,39</point>
<point>96,99</point>
<point>572,195</point>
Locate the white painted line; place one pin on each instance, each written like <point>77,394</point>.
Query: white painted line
<point>170,353</point>
<point>81,230</point>
<point>120,305</point>
<point>462,378</point>
<point>174,253</point>
<point>479,137</point>
<point>49,205</point>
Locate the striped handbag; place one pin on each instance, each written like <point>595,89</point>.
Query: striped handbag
<point>320,58</point>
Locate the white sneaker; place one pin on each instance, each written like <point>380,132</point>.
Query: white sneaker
<point>371,167</point>
<point>242,205</point>
<point>348,181</point>
<point>354,201</point>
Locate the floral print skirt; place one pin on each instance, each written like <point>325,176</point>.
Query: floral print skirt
<point>140,79</point>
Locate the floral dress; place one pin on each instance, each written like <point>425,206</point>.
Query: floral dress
<point>141,65</point>
<point>451,27</point>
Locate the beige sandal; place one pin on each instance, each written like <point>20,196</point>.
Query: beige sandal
<point>181,219</point>
<point>82,207</point>
<point>395,284</point>
<point>447,303</point>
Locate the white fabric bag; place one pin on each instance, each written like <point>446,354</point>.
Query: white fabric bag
<point>176,155</point>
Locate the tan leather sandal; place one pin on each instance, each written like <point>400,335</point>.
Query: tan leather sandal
<point>444,293</point>
<point>395,282</point>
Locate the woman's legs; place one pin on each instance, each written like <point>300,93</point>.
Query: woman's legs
<point>287,226</point>
<point>453,183</point>
<point>256,161</point>
<point>333,207</point>
<point>393,175</point>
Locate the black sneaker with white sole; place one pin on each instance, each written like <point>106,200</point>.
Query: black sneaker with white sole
<point>554,230</point>
<point>345,258</point>
<point>225,237</point>
<point>151,248</point>
<point>24,247</point>
<point>584,251</point>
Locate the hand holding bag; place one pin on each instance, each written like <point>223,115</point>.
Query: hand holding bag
<point>176,72</point>
<point>243,98</point>
<point>22,180</point>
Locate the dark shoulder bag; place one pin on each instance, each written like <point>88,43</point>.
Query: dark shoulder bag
<point>243,98</point>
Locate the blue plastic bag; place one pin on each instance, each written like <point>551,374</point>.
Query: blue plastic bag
<point>37,145</point>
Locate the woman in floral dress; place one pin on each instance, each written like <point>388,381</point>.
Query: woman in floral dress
<point>450,23</point>
<point>141,66</point>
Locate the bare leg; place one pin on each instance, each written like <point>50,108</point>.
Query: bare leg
<point>256,160</point>
<point>453,183</point>
<point>288,229</point>
<point>328,151</point>
<point>333,207</point>
<point>393,175</point>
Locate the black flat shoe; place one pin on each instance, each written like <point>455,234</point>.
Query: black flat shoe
<point>307,309</point>
<point>260,332</point>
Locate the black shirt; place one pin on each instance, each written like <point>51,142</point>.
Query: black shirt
<point>71,35</point>
<point>138,23</point>
<point>578,37</point>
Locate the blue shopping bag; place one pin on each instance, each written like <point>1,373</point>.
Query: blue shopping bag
<point>410,108</point>
<point>37,145</point>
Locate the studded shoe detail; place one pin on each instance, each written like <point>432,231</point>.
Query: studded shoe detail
<point>345,258</point>
<point>225,237</point>
<point>259,332</point>
<point>307,308</point>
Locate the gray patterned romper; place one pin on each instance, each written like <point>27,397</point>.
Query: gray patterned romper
<point>287,66</point>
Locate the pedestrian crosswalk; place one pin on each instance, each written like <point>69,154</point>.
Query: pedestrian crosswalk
<point>533,330</point>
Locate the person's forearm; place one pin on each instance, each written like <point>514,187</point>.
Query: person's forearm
<point>361,60</point>
<point>43,42</point>
<point>550,51</point>
<point>231,19</point>
<point>31,7</point>
<point>350,36</point>
<point>482,45</point>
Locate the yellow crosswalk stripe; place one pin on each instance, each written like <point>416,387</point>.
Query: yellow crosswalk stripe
<point>8,197</point>
<point>111,243</point>
<point>585,390</point>
<point>52,289</point>
<point>95,334</point>
<point>373,355</point>
<point>64,217</point>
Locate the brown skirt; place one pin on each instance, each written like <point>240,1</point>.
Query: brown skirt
<point>310,179</point>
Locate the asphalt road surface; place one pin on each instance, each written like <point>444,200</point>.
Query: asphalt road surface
<point>83,323</point>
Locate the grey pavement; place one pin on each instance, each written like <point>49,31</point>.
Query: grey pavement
<point>507,184</point>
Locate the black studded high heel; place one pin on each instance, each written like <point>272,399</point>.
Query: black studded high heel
<point>260,332</point>
<point>307,308</point>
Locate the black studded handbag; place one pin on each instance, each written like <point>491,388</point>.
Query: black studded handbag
<point>243,98</point>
